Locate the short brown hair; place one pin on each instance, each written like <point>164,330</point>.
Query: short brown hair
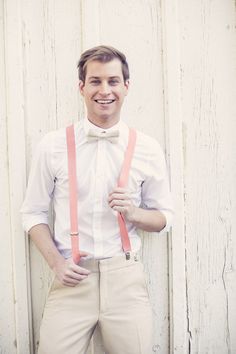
<point>103,54</point>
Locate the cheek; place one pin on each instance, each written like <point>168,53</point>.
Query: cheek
<point>88,92</point>
<point>120,94</point>
<point>121,98</point>
<point>89,97</point>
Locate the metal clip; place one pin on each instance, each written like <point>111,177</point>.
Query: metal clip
<point>127,255</point>
<point>74,233</point>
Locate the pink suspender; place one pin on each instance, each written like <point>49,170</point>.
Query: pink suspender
<point>70,137</point>
<point>122,182</point>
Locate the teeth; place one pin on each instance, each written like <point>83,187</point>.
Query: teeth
<point>104,101</point>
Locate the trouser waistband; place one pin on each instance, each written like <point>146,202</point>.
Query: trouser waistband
<point>107,264</point>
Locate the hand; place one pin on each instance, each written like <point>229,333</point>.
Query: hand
<point>120,199</point>
<point>69,273</point>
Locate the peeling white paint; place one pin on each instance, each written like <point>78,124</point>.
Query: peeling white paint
<point>182,59</point>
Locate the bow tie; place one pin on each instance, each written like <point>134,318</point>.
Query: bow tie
<point>94,135</point>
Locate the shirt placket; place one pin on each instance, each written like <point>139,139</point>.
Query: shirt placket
<point>98,200</point>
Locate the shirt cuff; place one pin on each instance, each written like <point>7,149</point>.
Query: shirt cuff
<point>169,219</point>
<point>29,221</point>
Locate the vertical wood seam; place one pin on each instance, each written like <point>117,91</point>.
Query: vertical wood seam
<point>174,141</point>
<point>25,168</point>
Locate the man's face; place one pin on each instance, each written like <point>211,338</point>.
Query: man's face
<point>104,91</point>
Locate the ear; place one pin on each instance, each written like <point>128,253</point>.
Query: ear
<point>81,87</point>
<point>127,86</point>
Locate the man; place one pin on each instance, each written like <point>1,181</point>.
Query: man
<point>107,288</point>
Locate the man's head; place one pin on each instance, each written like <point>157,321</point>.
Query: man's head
<point>102,54</point>
<point>104,83</point>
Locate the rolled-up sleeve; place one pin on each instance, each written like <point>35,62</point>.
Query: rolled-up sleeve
<point>156,188</point>
<point>40,187</point>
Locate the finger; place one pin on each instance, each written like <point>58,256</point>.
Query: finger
<point>84,254</point>
<point>75,278</point>
<point>68,284</point>
<point>122,203</point>
<point>120,209</point>
<point>119,190</point>
<point>115,196</point>
<point>72,278</point>
<point>81,270</point>
<point>119,196</point>
<point>71,283</point>
<point>76,268</point>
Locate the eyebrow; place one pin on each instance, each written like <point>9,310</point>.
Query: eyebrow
<point>98,77</point>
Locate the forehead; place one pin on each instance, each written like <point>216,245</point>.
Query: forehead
<point>100,69</point>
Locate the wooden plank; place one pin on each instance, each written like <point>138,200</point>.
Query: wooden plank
<point>16,154</point>
<point>134,28</point>
<point>179,335</point>
<point>208,56</point>
<point>40,117</point>
<point>103,26</point>
<point>89,34</point>
<point>90,37</point>
<point>51,48</point>
<point>155,260</point>
<point>196,128</point>
<point>68,47</point>
<point>90,23</point>
<point>7,309</point>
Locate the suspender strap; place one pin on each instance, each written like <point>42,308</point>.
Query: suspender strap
<point>70,138</point>
<point>73,193</point>
<point>122,182</point>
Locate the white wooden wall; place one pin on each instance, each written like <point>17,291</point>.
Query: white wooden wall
<point>182,56</point>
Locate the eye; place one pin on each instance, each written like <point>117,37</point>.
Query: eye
<point>114,82</point>
<point>95,82</point>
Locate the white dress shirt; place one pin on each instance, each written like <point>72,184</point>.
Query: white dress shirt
<point>98,167</point>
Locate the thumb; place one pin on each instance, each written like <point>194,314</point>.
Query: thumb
<point>84,254</point>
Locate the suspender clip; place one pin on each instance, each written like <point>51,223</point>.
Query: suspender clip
<point>127,255</point>
<point>74,233</point>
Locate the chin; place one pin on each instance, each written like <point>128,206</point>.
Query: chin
<point>106,117</point>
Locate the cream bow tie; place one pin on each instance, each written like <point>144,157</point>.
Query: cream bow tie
<point>94,135</point>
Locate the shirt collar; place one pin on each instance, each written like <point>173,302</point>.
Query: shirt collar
<point>89,125</point>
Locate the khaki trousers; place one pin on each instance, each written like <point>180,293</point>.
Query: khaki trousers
<point>113,297</point>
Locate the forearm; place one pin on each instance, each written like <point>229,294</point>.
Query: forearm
<point>42,238</point>
<point>66,270</point>
<point>148,220</point>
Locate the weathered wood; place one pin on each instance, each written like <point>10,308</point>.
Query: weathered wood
<point>51,47</point>
<point>16,176</point>
<point>182,59</point>
<point>208,91</point>
<point>123,27</point>
<point>7,308</point>
<point>143,109</point>
<point>134,27</point>
<point>40,103</point>
<point>173,122</point>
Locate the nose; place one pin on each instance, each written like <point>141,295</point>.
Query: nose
<point>104,88</point>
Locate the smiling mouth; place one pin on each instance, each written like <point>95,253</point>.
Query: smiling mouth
<point>104,101</point>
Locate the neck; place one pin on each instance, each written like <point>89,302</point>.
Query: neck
<point>103,123</point>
